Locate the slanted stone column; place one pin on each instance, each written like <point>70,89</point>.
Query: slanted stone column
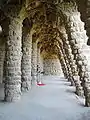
<point>2,58</point>
<point>63,64</point>
<point>38,59</point>
<point>13,61</point>
<point>70,57</point>
<point>77,37</point>
<point>70,77</point>
<point>87,19</point>
<point>38,65</point>
<point>76,77</point>
<point>41,64</point>
<point>26,60</point>
<point>34,62</point>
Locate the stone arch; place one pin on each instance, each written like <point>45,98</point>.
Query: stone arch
<point>42,22</point>
<point>51,61</point>
<point>73,28</point>
<point>12,82</point>
<point>26,55</point>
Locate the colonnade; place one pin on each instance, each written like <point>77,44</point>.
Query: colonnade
<point>22,56</point>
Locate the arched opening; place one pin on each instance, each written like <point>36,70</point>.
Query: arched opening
<point>44,36</point>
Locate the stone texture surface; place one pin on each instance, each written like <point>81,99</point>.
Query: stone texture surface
<point>39,65</point>
<point>13,62</point>
<point>26,61</point>
<point>2,57</point>
<point>87,19</point>
<point>38,60</point>
<point>52,67</point>
<point>70,57</point>
<point>63,65</point>
<point>34,62</point>
<point>71,51</point>
<point>78,39</point>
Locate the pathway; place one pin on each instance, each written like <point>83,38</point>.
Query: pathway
<point>54,101</point>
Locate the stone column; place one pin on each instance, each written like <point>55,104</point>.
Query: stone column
<point>77,37</point>
<point>63,64</point>
<point>87,19</point>
<point>41,63</point>
<point>26,60</point>
<point>70,57</point>
<point>64,68</point>
<point>34,62</point>
<point>70,74</point>
<point>38,65</point>
<point>13,61</point>
<point>38,59</point>
<point>2,58</point>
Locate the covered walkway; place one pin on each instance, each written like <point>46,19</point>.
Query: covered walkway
<point>46,37</point>
<point>54,101</point>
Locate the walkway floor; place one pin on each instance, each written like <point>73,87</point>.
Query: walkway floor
<point>54,101</point>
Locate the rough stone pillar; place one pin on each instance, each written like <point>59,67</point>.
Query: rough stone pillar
<point>52,65</point>
<point>38,65</point>
<point>41,64</point>
<point>70,77</point>
<point>2,58</point>
<point>64,68</point>
<point>77,37</point>
<point>34,62</point>
<point>63,64</point>
<point>70,57</point>
<point>76,77</point>
<point>13,61</point>
<point>87,19</point>
<point>38,59</point>
<point>26,60</point>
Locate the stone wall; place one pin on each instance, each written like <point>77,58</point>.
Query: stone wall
<point>2,56</point>
<point>84,9</point>
<point>26,60</point>
<point>34,58</point>
<point>13,60</point>
<point>41,63</point>
<point>52,67</point>
<point>88,20</point>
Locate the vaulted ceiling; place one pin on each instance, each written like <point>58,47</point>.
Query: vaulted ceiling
<point>42,16</point>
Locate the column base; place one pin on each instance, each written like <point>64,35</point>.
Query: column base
<point>87,102</point>
<point>71,80</point>
<point>12,99</point>
<point>12,93</point>
<point>87,97</point>
<point>34,80</point>
<point>26,86</point>
<point>79,91</point>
